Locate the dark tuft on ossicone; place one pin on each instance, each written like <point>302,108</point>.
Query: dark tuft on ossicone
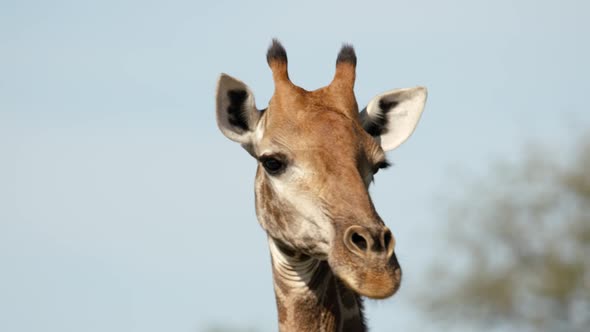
<point>347,55</point>
<point>276,52</point>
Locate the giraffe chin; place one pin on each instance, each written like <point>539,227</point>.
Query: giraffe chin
<point>369,278</point>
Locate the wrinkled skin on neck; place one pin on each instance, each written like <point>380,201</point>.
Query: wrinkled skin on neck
<point>309,297</point>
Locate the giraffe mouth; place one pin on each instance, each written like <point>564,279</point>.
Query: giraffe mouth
<point>377,282</point>
<point>374,274</point>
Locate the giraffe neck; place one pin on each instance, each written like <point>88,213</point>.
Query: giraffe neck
<point>310,297</point>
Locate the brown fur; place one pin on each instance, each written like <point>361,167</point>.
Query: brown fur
<point>319,129</point>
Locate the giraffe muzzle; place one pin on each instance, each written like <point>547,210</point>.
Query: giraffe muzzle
<point>366,242</point>
<point>364,259</point>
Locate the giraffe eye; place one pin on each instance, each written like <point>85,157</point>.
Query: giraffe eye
<point>272,165</point>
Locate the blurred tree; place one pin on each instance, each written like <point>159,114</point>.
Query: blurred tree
<point>520,254</point>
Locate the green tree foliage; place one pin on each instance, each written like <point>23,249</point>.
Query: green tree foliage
<point>520,254</point>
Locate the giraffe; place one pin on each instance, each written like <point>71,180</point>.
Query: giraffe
<point>317,155</point>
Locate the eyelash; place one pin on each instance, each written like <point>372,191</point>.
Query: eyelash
<point>381,165</point>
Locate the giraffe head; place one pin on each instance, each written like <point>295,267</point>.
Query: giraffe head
<point>317,155</point>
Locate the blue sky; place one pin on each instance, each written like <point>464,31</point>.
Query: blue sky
<point>123,208</point>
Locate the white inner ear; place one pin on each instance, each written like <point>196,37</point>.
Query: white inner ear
<point>249,112</point>
<point>398,121</point>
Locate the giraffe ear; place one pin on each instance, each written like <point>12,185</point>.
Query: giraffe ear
<point>237,114</point>
<point>391,117</point>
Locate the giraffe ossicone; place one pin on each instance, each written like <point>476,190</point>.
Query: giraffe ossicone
<point>317,155</point>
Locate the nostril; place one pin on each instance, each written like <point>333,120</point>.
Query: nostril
<point>359,241</point>
<point>388,242</point>
<point>386,239</point>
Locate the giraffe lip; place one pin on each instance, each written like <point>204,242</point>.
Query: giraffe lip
<point>373,278</point>
<point>375,285</point>
<point>381,287</point>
